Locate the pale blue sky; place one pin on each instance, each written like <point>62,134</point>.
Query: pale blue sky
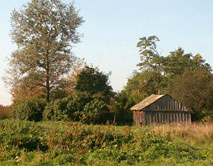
<point>112,29</point>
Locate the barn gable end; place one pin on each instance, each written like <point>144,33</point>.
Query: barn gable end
<point>167,103</point>
<point>159,109</point>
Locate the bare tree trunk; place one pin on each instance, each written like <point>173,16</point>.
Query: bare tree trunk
<point>47,78</point>
<point>48,90</point>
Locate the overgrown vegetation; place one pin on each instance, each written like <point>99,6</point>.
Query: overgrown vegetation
<point>30,109</point>
<point>60,143</point>
<point>4,112</point>
<point>186,77</point>
<point>57,99</point>
<point>43,67</point>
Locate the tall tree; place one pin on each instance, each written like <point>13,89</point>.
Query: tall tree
<point>142,84</point>
<point>176,62</point>
<point>44,31</point>
<point>194,89</point>
<point>94,82</point>
<point>150,57</point>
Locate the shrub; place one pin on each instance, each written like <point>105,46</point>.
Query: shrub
<point>4,112</point>
<point>106,116</point>
<point>76,104</point>
<point>56,110</point>
<point>121,107</point>
<point>91,111</point>
<point>30,109</point>
<point>69,108</point>
<point>78,107</point>
<point>61,143</point>
<point>22,135</point>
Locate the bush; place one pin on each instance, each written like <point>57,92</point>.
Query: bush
<point>92,110</point>
<point>4,112</point>
<point>121,107</point>
<point>30,109</point>
<point>69,108</point>
<point>61,143</point>
<point>76,104</point>
<point>22,135</point>
<point>56,110</point>
<point>106,116</point>
<point>78,107</point>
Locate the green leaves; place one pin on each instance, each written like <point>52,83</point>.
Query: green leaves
<point>60,143</point>
<point>186,77</point>
<point>94,82</point>
<point>30,109</point>
<point>44,31</point>
<point>148,51</point>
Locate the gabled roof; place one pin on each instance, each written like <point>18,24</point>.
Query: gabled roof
<point>146,102</point>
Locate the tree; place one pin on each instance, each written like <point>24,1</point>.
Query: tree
<point>186,77</point>
<point>150,57</point>
<point>194,88</point>
<point>176,62</point>
<point>71,79</point>
<point>198,61</point>
<point>22,91</point>
<point>44,31</point>
<point>94,82</point>
<point>120,106</point>
<point>144,83</point>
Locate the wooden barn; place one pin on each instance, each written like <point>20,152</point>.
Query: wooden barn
<point>160,109</point>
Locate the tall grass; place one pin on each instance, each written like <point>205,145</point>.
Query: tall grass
<point>199,132</point>
<point>72,143</point>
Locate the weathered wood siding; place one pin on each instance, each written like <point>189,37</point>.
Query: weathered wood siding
<point>164,110</point>
<point>162,117</point>
<point>166,103</point>
<point>139,118</point>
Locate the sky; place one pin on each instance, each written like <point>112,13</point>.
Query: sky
<point>112,29</point>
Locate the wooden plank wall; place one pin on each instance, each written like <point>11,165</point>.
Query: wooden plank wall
<point>139,118</point>
<point>165,110</point>
<point>162,117</point>
<point>166,103</point>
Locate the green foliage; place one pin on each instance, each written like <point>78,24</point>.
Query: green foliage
<point>44,31</point>
<point>195,90</point>
<point>177,62</point>
<point>143,84</point>
<point>186,77</point>
<point>30,109</point>
<point>150,58</point>
<point>121,108</point>
<point>22,135</point>
<point>76,104</point>
<point>56,110</point>
<point>69,108</point>
<point>4,112</point>
<point>78,107</point>
<point>94,82</point>
<point>59,143</point>
<point>92,111</point>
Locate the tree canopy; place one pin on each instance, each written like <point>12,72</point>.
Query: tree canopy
<point>44,31</point>
<point>185,76</point>
<point>94,82</point>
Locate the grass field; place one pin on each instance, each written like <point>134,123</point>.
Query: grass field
<point>68,143</point>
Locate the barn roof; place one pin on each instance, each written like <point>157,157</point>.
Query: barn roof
<point>146,102</point>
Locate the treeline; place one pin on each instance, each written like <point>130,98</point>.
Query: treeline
<point>88,99</point>
<point>49,83</point>
<point>186,77</point>
<point>88,96</point>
